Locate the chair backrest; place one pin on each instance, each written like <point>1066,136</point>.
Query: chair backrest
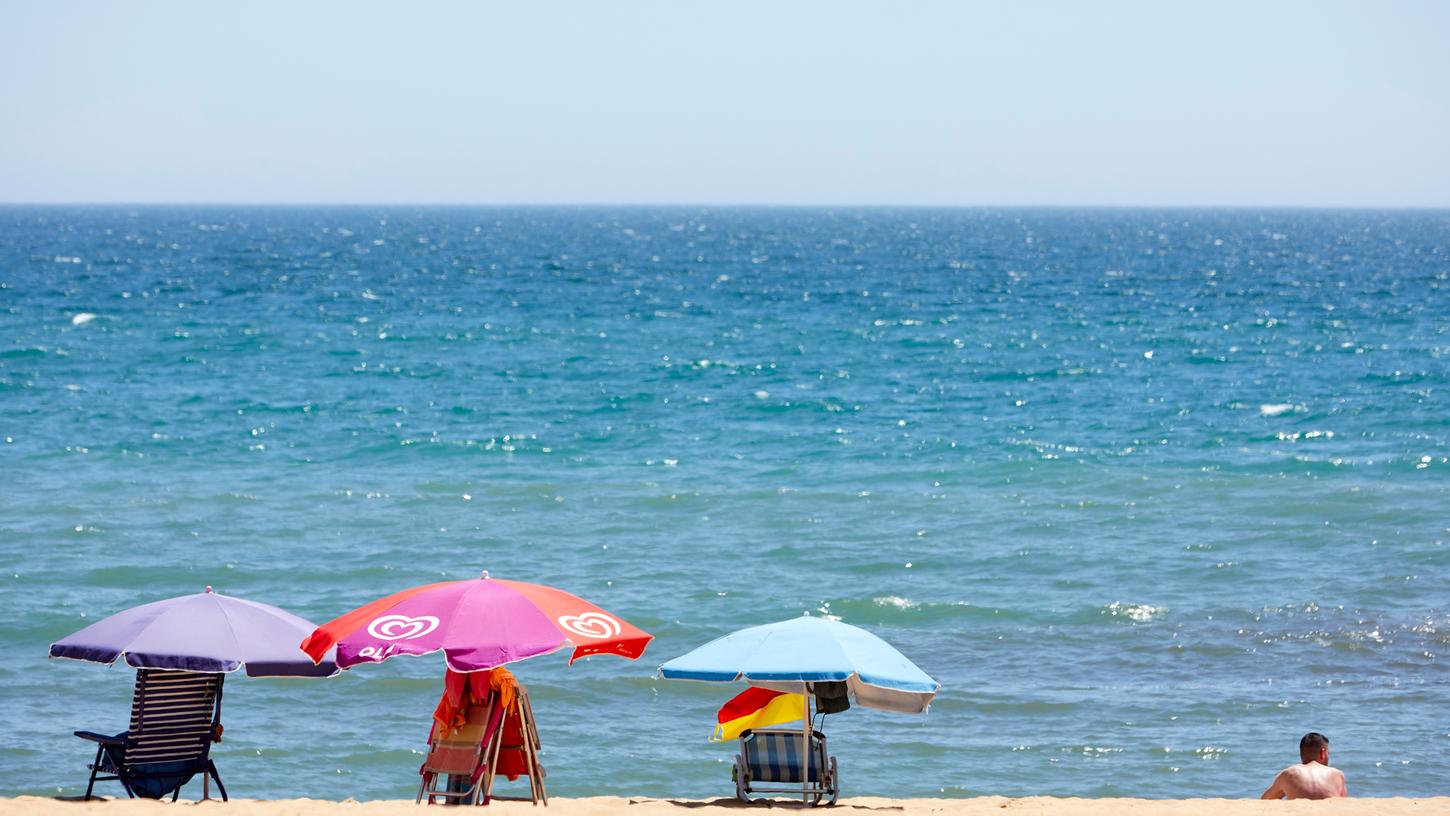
<point>775,755</point>
<point>460,751</point>
<point>172,716</point>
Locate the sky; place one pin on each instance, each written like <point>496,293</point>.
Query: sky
<point>1029,102</point>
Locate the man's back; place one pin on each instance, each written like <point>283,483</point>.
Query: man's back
<point>1307,780</point>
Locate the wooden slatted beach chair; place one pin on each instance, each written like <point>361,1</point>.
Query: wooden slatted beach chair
<point>175,716</point>
<point>769,762</point>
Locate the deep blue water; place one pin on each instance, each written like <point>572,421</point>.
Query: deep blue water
<point>1150,492</point>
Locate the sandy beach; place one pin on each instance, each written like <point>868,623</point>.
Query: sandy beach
<point>618,806</point>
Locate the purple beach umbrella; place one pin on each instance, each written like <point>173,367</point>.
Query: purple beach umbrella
<point>205,632</point>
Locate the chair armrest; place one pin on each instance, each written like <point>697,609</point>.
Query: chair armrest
<point>118,739</point>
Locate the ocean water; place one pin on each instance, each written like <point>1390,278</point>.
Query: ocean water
<point>1150,492</point>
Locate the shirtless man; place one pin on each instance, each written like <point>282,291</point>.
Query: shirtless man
<point>1312,778</point>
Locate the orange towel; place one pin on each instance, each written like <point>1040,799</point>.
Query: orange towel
<point>502,681</point>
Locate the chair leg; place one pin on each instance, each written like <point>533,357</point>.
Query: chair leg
<point>94,766</point>
<point>125,785</point>
<point>222,789</point>
<point>118,761</point>
<point>125,782</point>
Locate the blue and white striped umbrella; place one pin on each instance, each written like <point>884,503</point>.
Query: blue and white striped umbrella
<point>786,655</point>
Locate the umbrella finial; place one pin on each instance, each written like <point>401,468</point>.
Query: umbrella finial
<point>484,576</point>
<point>208,588</point>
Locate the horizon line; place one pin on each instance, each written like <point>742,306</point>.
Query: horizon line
<point>727,205</point>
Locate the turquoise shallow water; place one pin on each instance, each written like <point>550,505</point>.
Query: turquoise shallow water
<point>1150,492</point>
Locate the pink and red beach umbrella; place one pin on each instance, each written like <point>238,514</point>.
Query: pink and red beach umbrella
<point>479,624</point>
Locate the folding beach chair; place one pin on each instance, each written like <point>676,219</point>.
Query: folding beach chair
<point>515,752</point>
<point>769,762</point>
<point>463,763</point>
<point>459,754</point>
<point>174,719</point>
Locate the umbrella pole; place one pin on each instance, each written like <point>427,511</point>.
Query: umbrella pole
<point>806,750</point>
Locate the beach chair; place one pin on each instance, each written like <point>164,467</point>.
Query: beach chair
<point>516,752</point>
<point>175,716</point>
<point>463,763</point>
<point>769,762</point>
<point>459,756</point>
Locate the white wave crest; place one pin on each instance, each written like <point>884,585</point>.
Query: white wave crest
<point>1141,613</point>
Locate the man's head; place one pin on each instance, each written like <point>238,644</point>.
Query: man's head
<point>1314,747</point>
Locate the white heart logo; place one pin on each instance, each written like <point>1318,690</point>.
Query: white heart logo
<point>402,627</point>
<point>596,625</point>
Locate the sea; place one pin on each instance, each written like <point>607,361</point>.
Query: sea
<point>1150,492</point>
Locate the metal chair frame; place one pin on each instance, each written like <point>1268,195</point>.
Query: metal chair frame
<point>530,749</point>
<point>822,768</point>
<point>452,792</point>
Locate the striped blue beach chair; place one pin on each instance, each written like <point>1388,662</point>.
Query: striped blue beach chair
<point>770,762</point>
<point>175,716</point>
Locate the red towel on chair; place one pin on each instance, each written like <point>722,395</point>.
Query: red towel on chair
<point>513,762</point>
<point>462,688</point>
